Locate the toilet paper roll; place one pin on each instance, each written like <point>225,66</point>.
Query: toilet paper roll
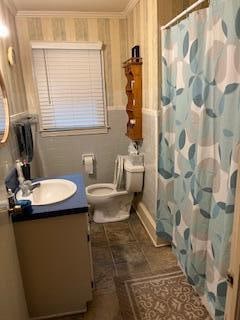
<point>88,164</point>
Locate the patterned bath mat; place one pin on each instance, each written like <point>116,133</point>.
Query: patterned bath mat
<point>166,296</point>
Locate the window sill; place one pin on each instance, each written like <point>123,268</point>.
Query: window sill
<point>62,133</point>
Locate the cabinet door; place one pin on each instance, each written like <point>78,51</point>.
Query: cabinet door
<point>55,262</point>
<point>90,253</point>
<point>12,302</point>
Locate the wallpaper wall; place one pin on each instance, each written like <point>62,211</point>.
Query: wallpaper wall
<point>111,31</point>
<point>12,75</point>
<point>142,24</point>
<point>52,151</point>
<point>13,81</point>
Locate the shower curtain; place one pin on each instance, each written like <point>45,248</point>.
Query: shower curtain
<point>199,145</point>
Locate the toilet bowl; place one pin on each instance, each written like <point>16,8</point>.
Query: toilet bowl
<point>109,204</point>
<point>112,201</point>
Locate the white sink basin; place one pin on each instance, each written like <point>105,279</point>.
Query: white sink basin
<point>50,191</point>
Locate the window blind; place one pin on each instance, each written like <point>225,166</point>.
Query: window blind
<point>70,88</point>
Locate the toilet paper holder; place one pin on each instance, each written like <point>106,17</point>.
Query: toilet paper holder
<point>88,162</point>
<point>87,155</point>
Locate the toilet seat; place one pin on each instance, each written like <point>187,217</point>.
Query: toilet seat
<point>97,193</point>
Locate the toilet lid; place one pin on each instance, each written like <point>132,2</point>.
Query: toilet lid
<point>99,191</point>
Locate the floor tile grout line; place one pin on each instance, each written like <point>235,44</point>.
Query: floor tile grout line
<point>129,243</point>
<point>118,243</point>
<point>130,227</point>
<point>149,265</point>
<point>135,233</point>
<point>137,242</point>
<point>109,247</point>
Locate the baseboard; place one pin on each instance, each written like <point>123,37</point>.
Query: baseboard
<point>149,224</point>
<point>83,310</point>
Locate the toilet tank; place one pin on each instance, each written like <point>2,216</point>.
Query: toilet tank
<point>133,176</point>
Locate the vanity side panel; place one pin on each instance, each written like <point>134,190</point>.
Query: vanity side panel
<point>55,263</point>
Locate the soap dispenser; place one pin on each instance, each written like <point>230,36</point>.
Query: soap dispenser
<point>11,199</point>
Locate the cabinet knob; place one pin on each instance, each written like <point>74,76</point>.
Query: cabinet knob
<point>133,121</point>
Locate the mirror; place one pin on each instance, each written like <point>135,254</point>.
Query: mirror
<point>4,112</point>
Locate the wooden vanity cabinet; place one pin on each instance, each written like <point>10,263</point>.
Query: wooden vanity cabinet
<point>133,72</point>
<point>56,264</point>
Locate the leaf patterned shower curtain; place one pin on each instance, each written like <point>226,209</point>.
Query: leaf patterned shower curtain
<point>199,145</point>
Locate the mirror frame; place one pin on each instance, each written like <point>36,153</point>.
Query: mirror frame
<point>6,109</point>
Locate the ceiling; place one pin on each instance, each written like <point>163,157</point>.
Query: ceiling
<point>72,5</point>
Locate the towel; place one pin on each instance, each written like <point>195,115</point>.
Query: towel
<point>11,180</point>
<point>28,139</point>
<point>20,138</point>
<point>25,140</point>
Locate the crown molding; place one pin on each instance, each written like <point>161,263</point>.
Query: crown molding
<point>129,7</point>
<point>120,15</point>
<point>11,6</point>
<point>75,14</point>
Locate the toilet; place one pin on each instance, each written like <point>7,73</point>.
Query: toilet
<point>112,201</point>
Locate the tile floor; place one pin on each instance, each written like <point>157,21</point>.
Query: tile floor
<point>120,249</point>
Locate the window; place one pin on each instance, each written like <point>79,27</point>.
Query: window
<point>70,83</point>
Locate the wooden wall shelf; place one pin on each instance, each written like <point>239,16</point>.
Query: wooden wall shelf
<point>133,72</point>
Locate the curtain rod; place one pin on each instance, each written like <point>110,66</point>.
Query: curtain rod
<point>182,14</point>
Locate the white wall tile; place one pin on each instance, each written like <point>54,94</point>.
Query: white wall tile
<point>63,155</point>
<point>149,148</point>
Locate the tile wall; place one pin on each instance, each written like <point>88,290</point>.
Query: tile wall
<point>149,148</point>
<point>63,155</point>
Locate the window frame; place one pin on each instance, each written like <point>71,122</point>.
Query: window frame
<point>71,46</point>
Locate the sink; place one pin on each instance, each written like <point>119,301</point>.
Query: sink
<point>50,191</point>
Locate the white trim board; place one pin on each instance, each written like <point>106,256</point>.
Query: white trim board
<point>149,224</point>
<point>67,45</point>
<point>129,7</point>
<point>152,112</point>
<point>116,108</point>
<point>74,14</point>
<point>18,116</point>
<point>60,314</point>
<point>146,111</point>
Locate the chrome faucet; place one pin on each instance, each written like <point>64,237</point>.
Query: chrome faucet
<point>27,187</point>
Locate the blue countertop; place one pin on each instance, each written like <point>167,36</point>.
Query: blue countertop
<point>76,204</point>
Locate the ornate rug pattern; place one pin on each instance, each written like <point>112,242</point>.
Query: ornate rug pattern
<point>166,296</point>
